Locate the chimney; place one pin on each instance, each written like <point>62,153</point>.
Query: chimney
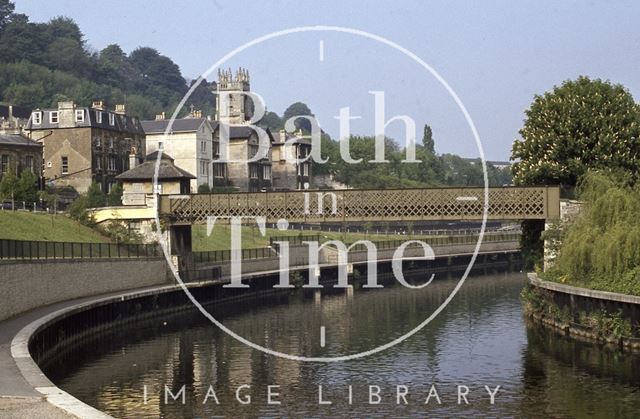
<point>98,104</point>
<point>66,105</point>
<point>133,156</point>
<point>120,109</point>
<point>133,160</point>
<point>283,135</point>
<point>160,116</point>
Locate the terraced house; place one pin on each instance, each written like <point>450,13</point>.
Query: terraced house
<point>84,144</point>
<point>17,151</point>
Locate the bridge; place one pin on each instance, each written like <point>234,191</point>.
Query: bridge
<point>361,205</point>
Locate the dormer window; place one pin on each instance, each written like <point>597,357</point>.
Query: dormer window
<point>37,118</point>
<point>79,115</point>
<point>53,117</point>
<point>112,119</point>
<point>99,117</point>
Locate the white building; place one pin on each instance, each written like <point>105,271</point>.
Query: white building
<point>190,143</point>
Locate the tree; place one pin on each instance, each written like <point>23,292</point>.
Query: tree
<point>6,11</point>
<point>583,124</point>
<point>9,187</point>
<point>114,198</point>
<point>27,189</point>
<point>94,197</point>
<point>272,121</point>
<point>298,109</point>
<point>580,125</point>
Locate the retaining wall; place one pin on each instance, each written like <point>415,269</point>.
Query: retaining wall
<point>37,283</point>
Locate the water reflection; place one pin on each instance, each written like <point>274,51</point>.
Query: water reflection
<point>479,339</point>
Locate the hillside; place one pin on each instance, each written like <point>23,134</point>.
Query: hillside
<point>29,226</point>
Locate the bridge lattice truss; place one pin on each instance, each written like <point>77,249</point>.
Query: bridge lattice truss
<point>506,203</point>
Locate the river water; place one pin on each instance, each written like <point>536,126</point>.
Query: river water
<point>480,339</point>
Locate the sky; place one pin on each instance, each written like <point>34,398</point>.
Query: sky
<point>495,55</point>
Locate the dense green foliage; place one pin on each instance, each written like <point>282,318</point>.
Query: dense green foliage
<point>19,189</point>
<point>43,63</point>
<point>583,124</point>
<point>601,249</point>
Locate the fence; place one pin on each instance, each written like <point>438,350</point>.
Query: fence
<point>295,239</point>
<point>24,249</point>
<point>435,241</point>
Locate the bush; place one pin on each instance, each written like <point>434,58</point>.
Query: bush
<point>114,198</point>
<point>601,249</point>
<point>95,197</point>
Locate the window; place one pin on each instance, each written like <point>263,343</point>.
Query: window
<point>203,146</point>
<point>79,115</point>
<point>98,142</point>
<point>98,164</point>
<point>218,170</point>
<point>53,117</point>
<point>65,165</point>
<point>4,163</point>
<point>253,171</point>
<point>37,118</point>
<point>216,149</point>
<point>305,169</point>
<point>204,167</point>
<point>99,117</point>
<point>112,119</point>
<point>160,145</point>
<point>28,163</point>
<point>266,172</point>
<point>253,150</point>
<point>112,163</point>
<point>110,142</point>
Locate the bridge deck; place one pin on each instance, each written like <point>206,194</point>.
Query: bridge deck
<point>348,205</point>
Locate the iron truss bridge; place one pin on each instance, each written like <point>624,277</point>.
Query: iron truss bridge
<point>362,205</point>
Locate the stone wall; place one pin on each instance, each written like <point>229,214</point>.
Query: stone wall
<point>27,285</point>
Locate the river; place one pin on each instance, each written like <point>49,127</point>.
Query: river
<point>478,342</point>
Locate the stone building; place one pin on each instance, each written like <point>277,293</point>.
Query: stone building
<point>288,173</point>
<point>191,143</point>
<point>86,144</point>
<point>17,151</point>
<point>137,183</point>
<point>244,175</point>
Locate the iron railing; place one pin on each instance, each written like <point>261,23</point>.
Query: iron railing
<point>25,249</point>
<point>214,256</point>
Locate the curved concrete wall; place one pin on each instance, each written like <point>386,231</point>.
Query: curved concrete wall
<point>37,283</point>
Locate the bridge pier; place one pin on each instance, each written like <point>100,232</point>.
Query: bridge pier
<point>181,249</point>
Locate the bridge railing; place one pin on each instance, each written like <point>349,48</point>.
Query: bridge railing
<point>29,250</point>
<point>217,256</point>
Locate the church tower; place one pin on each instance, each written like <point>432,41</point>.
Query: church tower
<point>239,109</point>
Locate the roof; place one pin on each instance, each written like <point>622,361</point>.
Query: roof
<point>146,170</point>
<point>122,123</point>
<point>17,140</point>
<point>179,125</point>
<point>240,131</point>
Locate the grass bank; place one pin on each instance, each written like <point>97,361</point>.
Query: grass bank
<point>18,225</point>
